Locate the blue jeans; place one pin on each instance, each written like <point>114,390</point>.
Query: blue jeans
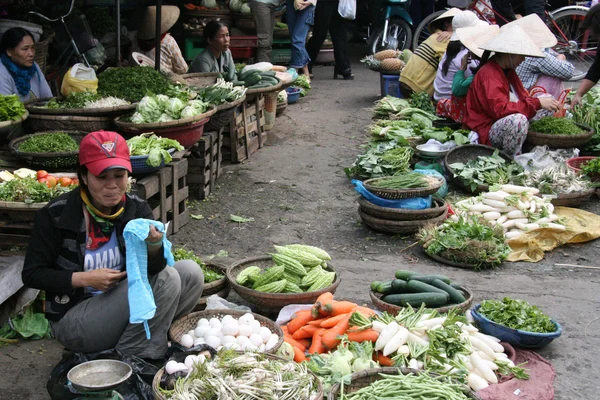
<point>298,24</point>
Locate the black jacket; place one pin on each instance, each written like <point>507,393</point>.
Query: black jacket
<point>57,249</point>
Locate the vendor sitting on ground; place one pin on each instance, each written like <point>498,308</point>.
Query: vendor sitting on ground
<point>216,57</point>
<point>498,107</point>
<point>77,255</point>
<point>548,72</point>
<point>418,74</point>
<point>19,73</point>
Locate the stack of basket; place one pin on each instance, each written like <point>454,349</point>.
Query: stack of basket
<point>402,220</point>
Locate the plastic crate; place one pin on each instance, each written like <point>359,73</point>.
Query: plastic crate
<point>243,41</point>
<point>242,52</point>
<point>192,47</point>
<point>390,85</point>
<point>281,56</point>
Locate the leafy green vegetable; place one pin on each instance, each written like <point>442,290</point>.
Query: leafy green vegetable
<point>210,275</point>
<point>157,148</point>
<point>405,181</point>
<point>29,190</point>
<point>556,179</point>
<point>162,108</point>
<point>55,142</point>
<point>389,106</point>
<point>221,92</point>
<point>381,159</point>
<point>74,100</point>
<point>555,126</point>
<point>591,167</point>
<point>486,170</point>
<point>132,83</point>
<point>423,101</point>
<point>241,220</point>
<point>11,108</point>
<point>517,314</point>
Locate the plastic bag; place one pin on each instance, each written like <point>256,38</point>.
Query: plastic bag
<point>96,55</point>
<point>79,78</point>
<point>541,157</point>
<point>347,9</point>
<point>285,314</point>
<point>443,191</point>
<point>417,203</point>
<point>138,386</point>
<point>215,302</point>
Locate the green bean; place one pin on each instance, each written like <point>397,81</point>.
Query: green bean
<point>406,181</point>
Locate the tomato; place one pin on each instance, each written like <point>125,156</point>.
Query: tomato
<point>51,181</point>
<point>42,180</point>
<point>42,174</point>
<point>75,182</point>
<point>64,181</point>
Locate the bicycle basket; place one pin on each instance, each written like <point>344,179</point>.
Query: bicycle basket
<point>81,32</point>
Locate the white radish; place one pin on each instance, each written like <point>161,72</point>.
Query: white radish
<point>396,341</point>
<point>499,195</point>
<point>514,189</point>
<point>493,366</point>
<point>491,215</point>
<point>495,346</point>
<point>484,356</point>
<point>530,227</point>
<point>494,203</point>
<point>502,219</point>
<point>506,209</point>
<point>467,327</point>
<point>501,356</point>
<point>547,220</point>
<point>378,326</point>
<point>516,214</point>
<point>508,224</point>
<point>469,317</point>
<point>386,335</point>
<point>414,339</point>
<point>483,368</point>
<point>512,235</point>
<point>550,208</point>
<point>454,218</point>
<point>481,345</point>
<point>431,322</point>
<point>558,227</point>
<point>413,364</point>
<point>476,382</point>
<point>532,206</point>
<point>480,208</point>
<point>404,349</point>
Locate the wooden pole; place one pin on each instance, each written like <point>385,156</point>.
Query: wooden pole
<point>157,33</point>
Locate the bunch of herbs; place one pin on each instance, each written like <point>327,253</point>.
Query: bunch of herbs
<point>555,126</point>
<point>486,170</point>
<point>210,275</point>
<point>381,159</point>
<point>423,101</point>
<point>132,83</point>
<point>55,142</point>
<point>517,314</point>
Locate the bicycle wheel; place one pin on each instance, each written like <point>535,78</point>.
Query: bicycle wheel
<point>422,33</point>
<point>398,37</point>
<point>577,45</point>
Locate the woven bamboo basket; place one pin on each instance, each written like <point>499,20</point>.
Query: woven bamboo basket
<point>559,141</point>
<point>223,115</point>
<point>453,263</point>
<point>190,321</point>
<point>572,199</point>
<point>8,128</point>
<point>159,396</point>
<point>11,123</point>
<point>273,88</point>
<point>37,108</point>
<point>244,22</point>
<point>402,214</point>
<point>68,159</point>
<point>41,52</point>
<point>280,108</point>
<point>376,298</point>
<point>43,122</point>
<point>399,227</point>
<point>220,287</point>
<point>197,79</point>
<point>464,154</point>
<point>364,378</point>
<point>397,194</point>
<point>272,302</point>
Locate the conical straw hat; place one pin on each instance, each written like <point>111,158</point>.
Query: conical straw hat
<point>475,36</point>
<point>448,14</point>
<point>465,19</point>
<point>536,29</point>
<point>513,40</point>
<point>168,17</point>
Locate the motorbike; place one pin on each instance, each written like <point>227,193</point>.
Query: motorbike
<point>391,28</point>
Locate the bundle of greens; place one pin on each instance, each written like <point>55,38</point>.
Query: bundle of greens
<point>411,180</point>
<point>555,126</point>
<point>85,100</point>
<point>132,83</point>
<point>162,108</point>
<point>11,108</point>
<point>382,159</point>
<point>486,170</point>
<point>557,179</point>
<point>29,190</point>
<point>221,92</point>
<point>210,275</point>
<point>444,135</point>
<point>303,83</point>
<point>517,314</point>
<point>388,107</point>
<point>422,100</point>
<point>156,148</point>
<point>399,130</point>
<point>55,142</point>
<point>468,240</point>
<point>588,114</point>
<point>592,167</point>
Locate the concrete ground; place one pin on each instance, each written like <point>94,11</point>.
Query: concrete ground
<point>297,192</point>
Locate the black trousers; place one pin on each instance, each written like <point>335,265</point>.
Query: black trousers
<point>506,9</point>
<point>327,19</point>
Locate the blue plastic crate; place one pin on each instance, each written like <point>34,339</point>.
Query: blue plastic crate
<point>139,166</point>
<point>390,85</point>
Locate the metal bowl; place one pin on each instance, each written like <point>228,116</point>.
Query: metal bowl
<point>99,375</point>
<point>430,150</point>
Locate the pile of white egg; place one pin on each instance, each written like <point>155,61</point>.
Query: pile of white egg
<point>173,366</point>
<point>244,333</point>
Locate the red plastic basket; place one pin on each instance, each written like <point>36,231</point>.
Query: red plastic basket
<point>576,163</point>
<point>243,41</point>
<point>242,52</point>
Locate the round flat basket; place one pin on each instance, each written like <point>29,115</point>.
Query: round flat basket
<point>559,141</point>
<point>9,129</point>
<point>36,108</point>
<point>402,214</point>
<point>394,309</point>
<point>454,263</point>
<point>280,108</point>
<point>572,199</point>
<point>272,302</point>
<point>244,22</point>
<point>276,87</point>
<point>399,227</point>
<point>190,321</point>
<point>198,79</point>
<point>121,123</point>
<point>43,122</point>
<point>53,161</point>
<point>359,380</point>
<point>6,124</point>
<point>435,183</point>
<point>223,115</point>
<point>465,153</point>
<point>217,286</point>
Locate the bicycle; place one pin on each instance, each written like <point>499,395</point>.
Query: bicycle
<point>72,51</point>
<point>578,46</point>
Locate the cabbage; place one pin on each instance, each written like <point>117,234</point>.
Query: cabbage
<point>174,107</point>
<point>188,112</point>
<point>137,118</point>
<point>163,100</point>
<point>236,5</point>
<point>245,9</point>
<point>165,118</point>
<point>150,108</point>
<point>209,3</point>
<point>199,106</point>
<point>286,351</point>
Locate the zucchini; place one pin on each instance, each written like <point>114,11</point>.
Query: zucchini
<point>400,286</point>
<point>422,287</point>
<point>416,299</point>
<point>455,295</point>
<point>383,287</point>
<point>430,278</point>
<point>404,274</point>
<point>253,79</point>
<point>248,73</point>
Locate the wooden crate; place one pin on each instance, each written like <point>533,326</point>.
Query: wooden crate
<point>166,191</point>
<point>204,160</point>
<point>246,132</point>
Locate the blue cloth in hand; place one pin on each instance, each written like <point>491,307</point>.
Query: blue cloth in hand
<point>141,299</point>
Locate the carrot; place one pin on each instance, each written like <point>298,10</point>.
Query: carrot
<point>289,339</point>
<point>304,342</point>
<point>316,322</point>
<point>330,337</point>
<point>339,307</point>
<point>332,321</point>
<point>299,354</point>
<point>284,329</point>
<point>317,345</point>
<point>299,321</point>
<point>367,312</point>
<point>368,335</point>
<point>305,332</point>
<point>383,360</point>
<point>322,299</point>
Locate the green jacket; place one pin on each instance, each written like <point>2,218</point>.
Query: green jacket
<point>207,62</point>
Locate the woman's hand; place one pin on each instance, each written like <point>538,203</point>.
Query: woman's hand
<point>464,63</point>
<point>549,103</point>
<point>101,279</point>
<point>154,236</point>
<point>303,4</point>
<point>576,101</point>
<point>444,36</point>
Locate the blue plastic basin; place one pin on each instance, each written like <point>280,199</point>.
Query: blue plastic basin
<point>516,337</point>
<point>293,94</point>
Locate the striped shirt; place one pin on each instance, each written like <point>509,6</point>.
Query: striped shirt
<point>419,73</point>
<point>530,70</point>
<point>171,59</point>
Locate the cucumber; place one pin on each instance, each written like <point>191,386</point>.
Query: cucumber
<point>383,287</point>
<point>268,73</point>
<point>400,286</point>
<point>455,295</point>
<point>404,274</point>
<point>416,299</point>
<point>253,79</point>
<point>455,286</point>
<point>260,86</point>
<point>239,83</point>
<point>248,73</point>
<point>430,278</point>
<point>422,287</point>
<point>268,79</point>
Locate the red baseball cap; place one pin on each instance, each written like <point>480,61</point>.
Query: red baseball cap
<point>103,150</point>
